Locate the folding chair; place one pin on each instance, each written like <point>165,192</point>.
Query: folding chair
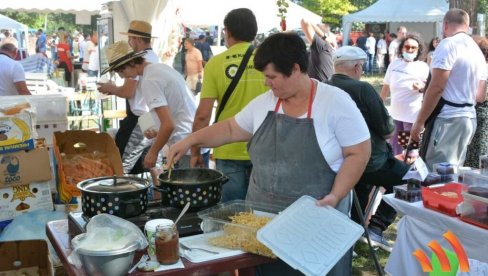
<point>363,218</point>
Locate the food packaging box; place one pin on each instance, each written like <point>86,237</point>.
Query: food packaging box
<point>16,132</point>
<point>24,198</point>
<point>24,167</point>
<point>404,193</point>
<point>475,210</point>
<point>443,198</point>
<point>25,257</point>
<point>149,120</point>
<point>46,129</point>
<point>79,142</point>
<point>477,182</point>
<point>217,225</point>
<point>310,238</point>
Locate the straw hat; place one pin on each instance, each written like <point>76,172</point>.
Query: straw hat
<point>119,54</point>
<point>139,28</point>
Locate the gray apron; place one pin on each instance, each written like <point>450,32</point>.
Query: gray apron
<point>287,164</point>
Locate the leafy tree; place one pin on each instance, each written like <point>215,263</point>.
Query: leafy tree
<point>330,10</point>
<point>54,21</point>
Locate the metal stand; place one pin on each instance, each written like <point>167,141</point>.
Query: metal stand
<point>366,233</point>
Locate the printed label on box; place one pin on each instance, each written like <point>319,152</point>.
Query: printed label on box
<point>24,198</point>
<point>23,167</point>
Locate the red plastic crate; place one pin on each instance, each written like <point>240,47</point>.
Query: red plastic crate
<point>433,199</point>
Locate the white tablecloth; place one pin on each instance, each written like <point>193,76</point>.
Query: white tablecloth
<point>418,226</point>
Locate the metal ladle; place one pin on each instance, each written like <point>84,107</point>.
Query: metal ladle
<point>187,206</point>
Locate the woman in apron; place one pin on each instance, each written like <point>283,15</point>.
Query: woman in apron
<point>305,138</point>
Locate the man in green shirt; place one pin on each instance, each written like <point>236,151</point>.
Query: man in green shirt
<point>240,28</point>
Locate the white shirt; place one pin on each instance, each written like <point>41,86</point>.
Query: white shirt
<point>392,50</point>
<point>381,46</point>
<point>89,46</point>
<point>161,85</point>
<point>400,76</point>
<point>93,61</point>
<point>337,120</point>
<point>11,71</point>
<point>371,45</point>
<point>137,104</point>
<point>461,56</point>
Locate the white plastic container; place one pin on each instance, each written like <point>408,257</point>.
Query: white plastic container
<point>310,238</point>
<point>46,129</point>
<point>150,231</point>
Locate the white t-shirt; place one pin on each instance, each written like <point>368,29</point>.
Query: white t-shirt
<point>392,50</point>
<point>337,120</point>
<point>161,85</point>
<point>460,55</point>
<point>381,46</point>
<point>400,76</point>
<point>89,46</point>
<point>137,104</point>
<point>371,45</point>
<point>93,61</point>
<point>11,72</point>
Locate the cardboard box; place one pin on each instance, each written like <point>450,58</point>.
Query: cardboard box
<point>16,132</point>
<point>22,257</point>
<point>80,142</point>
<point>24,167</point>
<point>24,198</point>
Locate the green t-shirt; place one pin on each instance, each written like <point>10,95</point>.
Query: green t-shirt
<point>218,74</point>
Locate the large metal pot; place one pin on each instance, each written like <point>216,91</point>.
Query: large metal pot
<point>118,195</point>
<point>199,186</point>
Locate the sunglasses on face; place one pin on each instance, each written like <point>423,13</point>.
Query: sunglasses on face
<point>408,47</point>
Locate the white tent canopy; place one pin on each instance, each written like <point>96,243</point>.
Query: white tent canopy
<point>64,6</point>
<point>398,11</point>
<point>9,23</point>
<point>212,12</point>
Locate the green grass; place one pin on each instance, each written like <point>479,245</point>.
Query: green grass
<point>363,264</point>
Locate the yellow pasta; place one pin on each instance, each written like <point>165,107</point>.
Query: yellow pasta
<point>237,237</point>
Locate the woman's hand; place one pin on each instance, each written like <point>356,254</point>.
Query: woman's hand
<point>150,133</point>
<point>330,200</point>
<point>417,86</point>
<point>177,151</point>
<point>107,88</point>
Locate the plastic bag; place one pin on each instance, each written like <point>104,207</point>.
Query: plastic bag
<point>106,232</point>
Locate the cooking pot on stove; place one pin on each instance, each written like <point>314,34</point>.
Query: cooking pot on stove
<point>120,196</point>
<point>200,186</point>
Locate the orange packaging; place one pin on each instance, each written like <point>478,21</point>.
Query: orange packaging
<point>83,142</point>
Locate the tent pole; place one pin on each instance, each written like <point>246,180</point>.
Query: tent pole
<point>45,23</point>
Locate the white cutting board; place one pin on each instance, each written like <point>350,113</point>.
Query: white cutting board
<point>198,256</point>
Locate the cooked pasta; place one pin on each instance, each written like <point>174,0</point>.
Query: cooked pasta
<point>241,234</point>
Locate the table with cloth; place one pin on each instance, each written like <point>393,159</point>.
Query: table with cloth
<point>418,226</point>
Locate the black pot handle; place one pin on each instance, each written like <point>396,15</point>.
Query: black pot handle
<point>224,179</point>
<point>162,188</point>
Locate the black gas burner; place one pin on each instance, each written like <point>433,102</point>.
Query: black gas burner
<point>188,225</point>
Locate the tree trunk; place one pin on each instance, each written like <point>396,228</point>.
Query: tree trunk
<point>471,7</point>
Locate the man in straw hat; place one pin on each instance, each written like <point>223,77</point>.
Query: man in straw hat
<point>129,138</point>
<point>164,91</point>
